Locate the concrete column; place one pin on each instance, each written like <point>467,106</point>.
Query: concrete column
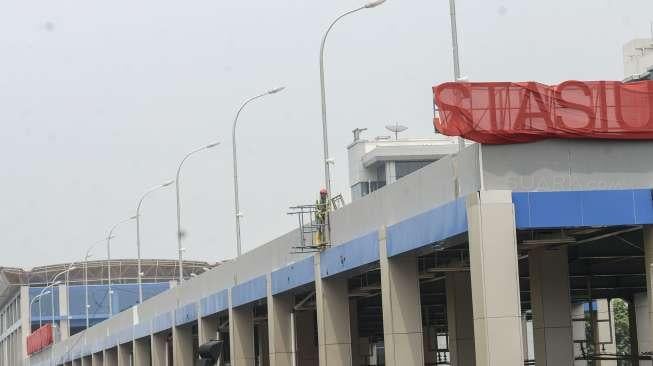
<point>355,337</point>
<point>77,362</point>
<point>142,351</point>
<point>182,345</point>
<point>647,334</point>
<point>241,335</point>
<point>579,332</point>
<point>159,349</point>
<point>333,333</point>
<point>124,354</point>
<point>111,356</point>
<point>495,279</point>
<point>24,320</point>
<point>97,359</point>
<point>460,318</point>
<point>402,311</point>
<point>551,305</point>
<point>606,340</point>
<point>643,324</point>
<point>64,322</point>
<point>305,330</point>
<point>207,329</point>
<point>280,308</point>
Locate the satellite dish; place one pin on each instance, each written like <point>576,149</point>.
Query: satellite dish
<point>396,128</point>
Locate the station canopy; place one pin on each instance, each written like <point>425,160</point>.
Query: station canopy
<point>515,112</point>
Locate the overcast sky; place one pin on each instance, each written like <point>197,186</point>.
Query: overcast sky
<point>100,100</point>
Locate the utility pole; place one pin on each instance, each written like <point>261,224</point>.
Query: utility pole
<point>456,56</point>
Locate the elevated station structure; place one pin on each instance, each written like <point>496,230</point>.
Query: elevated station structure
<point>445,266</point>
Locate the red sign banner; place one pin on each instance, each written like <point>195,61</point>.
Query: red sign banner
<point>507,112</point>
<point>39,339</point>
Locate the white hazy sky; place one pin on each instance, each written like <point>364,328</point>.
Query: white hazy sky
<point>100,100</point>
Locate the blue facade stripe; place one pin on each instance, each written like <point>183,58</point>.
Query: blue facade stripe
<point>186,314</point>
<point>249,291</point>
<point>583,208</point>
<point>142,329</point>
<point>294,275</point>
<point>161,322</point>
<point>350,255</point>
<point>438,224</point>
<point>214,303</point>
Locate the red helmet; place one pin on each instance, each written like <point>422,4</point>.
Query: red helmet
<point>323,191</point>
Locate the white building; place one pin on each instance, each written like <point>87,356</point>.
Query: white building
<point>638,59</point>
<point>381,161</point>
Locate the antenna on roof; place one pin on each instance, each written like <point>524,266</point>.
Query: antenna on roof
<point>396,128</point>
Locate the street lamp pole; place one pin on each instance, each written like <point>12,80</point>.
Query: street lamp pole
<point>138,235</point>
<point>325,135</point>
<point>37,297</point>
<point>180,249</point>
<point>456,55</point>
<point>237,212</point>
<point>109,237</point>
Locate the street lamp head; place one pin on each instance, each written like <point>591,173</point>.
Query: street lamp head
<point>214,144</point>
<point>47,292</point>
<point>133,217</point>
<point>277,90</point>
<point>374,4</point>
<point>58,282</point>
<point>168,183</point>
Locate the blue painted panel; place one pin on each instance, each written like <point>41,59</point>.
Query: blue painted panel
<point>126,335</point>
<point>214,303</point>
<point>249,291</point>
<point>162,322</point>
<point>142,329</point>
<point>186,314</point>
<point>440,223</point>
<point>294,275</point>
<point>583,208</point>
<point>350,255</point>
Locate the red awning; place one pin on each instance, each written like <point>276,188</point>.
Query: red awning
<point>507,112</point>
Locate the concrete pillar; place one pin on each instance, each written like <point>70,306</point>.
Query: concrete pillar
<point>142,351</point>
<point>97,359</point>
<point>24,320</point>
<point>460,318</point>
<point>241,335</point>
<point>159,349</point>
<point>64,323</point>
<point>355,337</point>
<point>643,324</point>
<point>606,340</point>
<point>402,311</point>
<point>578,332</point>
<point>280,334</point>
<point>207,329</point>
<point>110,356</point>
<point>77,362</point>
<point>646,336</point>
<point>124,354</point>
<point>182,345</point>
<point>333,333</point>
<point>551,305</point>
<point>307,353</point>
<point>495,278</point>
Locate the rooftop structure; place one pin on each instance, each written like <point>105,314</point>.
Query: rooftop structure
<point>381,161</point>
<point>638,59</point>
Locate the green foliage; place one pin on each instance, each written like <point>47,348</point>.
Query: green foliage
<point>621,325</point>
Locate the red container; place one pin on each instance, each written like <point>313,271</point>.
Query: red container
<point>39,339</point>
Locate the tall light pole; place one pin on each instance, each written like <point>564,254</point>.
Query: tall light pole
<point>89,253</point>
<point>138,235</point>
<point>37,297</point>
<point>237,212</point>
<point>325,135</point>
<point>456,55</point>
<point>109,237</point>
<point>180,249</point>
